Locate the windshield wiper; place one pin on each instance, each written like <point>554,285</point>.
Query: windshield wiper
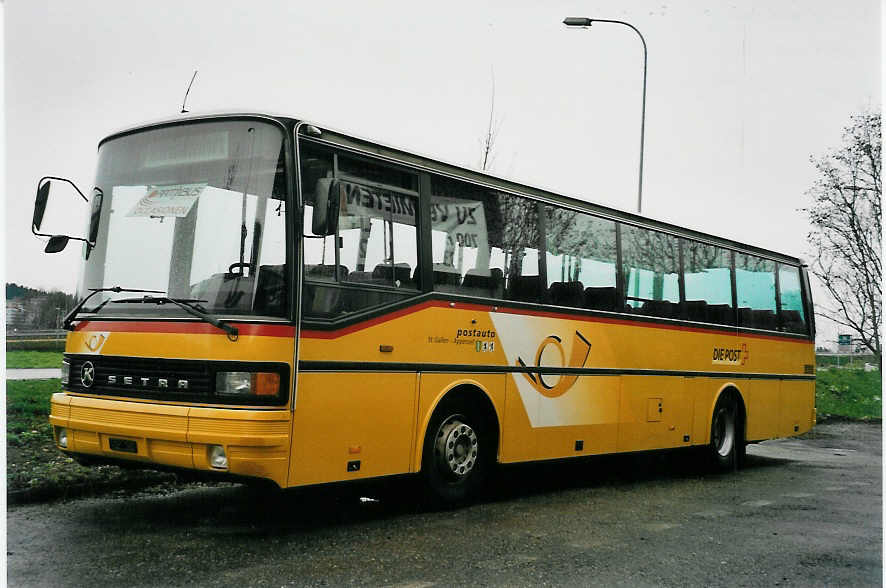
<point>188,305</point>
<point>67,323</point>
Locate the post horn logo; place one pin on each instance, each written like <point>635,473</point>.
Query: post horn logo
<point>95,342</point>
<point>581,349</point>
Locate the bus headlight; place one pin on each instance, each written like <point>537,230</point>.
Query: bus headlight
<point>66,372</point>
<point>245,384</point>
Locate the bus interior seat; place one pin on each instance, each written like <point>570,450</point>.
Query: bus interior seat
<point>360,277</point>
<point>793,321</point>
<point>386,275</point>
<point>696,310</point>
<point>320,300</point>
<point>381,275</point>
<point>231,292</point>
<point>757,318</point>
<point>567,294</point>
<point>356,299</point>
<point>765,319</point>
<point>446,278</point>
<point>525,288</point>
<point>721,314</point>
<point>659,308</point>
<point>487,285</point>
<point>270,293</point>
<point>326,271</point>
<point>601,298</point>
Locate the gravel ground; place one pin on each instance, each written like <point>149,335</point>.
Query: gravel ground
<point>804,512</point>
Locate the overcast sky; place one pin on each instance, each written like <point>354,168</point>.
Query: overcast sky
<point>740,94</point>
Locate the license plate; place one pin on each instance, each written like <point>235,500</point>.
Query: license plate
<point>125,445</point>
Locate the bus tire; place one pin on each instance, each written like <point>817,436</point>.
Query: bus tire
<point>726,448</point>
<point>457,453</point>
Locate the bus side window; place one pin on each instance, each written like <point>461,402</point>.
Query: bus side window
<point>580,259</point>
<point>376,244</point>
<point>793,319</point>
<point>479,241</point>
<point>518,248</point>
<point>755,288</point>
<point>319,251</point>
<point>651,268</point>
<point>485,243</point>
<point>459,236</point>
<point>708,283</point>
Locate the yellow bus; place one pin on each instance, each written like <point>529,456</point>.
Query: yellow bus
<point>268,298</point>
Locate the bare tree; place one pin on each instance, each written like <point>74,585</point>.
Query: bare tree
<point>491,131</point>
<point>846,231</point>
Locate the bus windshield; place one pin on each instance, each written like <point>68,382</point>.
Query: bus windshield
<point>197,211</point>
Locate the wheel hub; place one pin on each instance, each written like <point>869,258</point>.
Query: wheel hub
<point>724,432</point>
<point>456,448</point>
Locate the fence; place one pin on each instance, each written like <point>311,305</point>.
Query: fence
<point>46,340</point>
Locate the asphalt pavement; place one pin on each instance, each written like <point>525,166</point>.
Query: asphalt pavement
<point>803,512</point>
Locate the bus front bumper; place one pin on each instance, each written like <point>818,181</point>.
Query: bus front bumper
<point>255,442</point>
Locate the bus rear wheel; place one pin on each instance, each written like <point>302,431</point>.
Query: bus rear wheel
<point>456,454</point>
<point>727,443</point>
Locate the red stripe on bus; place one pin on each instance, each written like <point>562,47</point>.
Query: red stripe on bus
<point>307,334</point>
<point>266,330</point>
<point>335,334</point>
<point>257,330</point>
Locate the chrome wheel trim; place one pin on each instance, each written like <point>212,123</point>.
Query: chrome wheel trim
<point>456,448</point>
<point>724,431</point>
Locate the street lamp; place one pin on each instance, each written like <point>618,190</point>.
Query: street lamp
<point>580,21</point>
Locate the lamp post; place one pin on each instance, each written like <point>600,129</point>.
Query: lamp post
<point>579,21</point>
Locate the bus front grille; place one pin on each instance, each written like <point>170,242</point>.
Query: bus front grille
<point>140,377</point>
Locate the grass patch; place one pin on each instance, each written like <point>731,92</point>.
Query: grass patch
<point>33,463</point>
<point>31,457</point>
<point>33,359</point>
<point>847,393</point>
<point>27,404</point>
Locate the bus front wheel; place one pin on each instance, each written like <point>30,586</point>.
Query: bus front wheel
<point>727,441</point>
<point>456,454</point>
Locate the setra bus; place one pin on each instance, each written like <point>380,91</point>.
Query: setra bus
<point>267,298</point>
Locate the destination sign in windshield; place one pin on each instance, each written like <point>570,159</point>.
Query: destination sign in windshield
<point>187,148</point>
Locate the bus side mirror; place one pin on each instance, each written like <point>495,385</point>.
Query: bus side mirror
<point>40,205</point>
<point>56,243</point>
<point>94,217</point>
<point>324,221</point>
<point>42,199</point>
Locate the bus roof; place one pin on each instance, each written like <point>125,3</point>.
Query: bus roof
<point>399,156</point>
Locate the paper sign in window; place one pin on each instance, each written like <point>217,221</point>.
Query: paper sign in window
<point>175,201</point>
